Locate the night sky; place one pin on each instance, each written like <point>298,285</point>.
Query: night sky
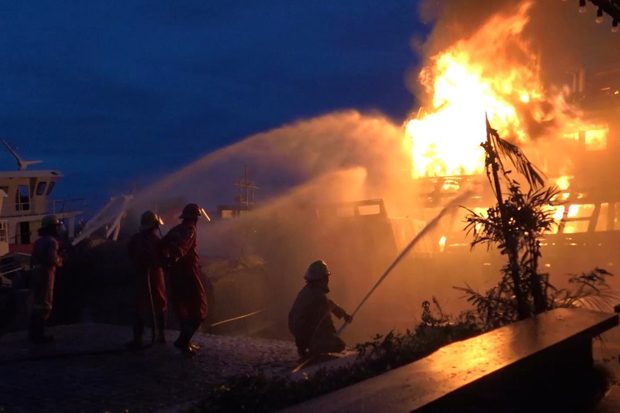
<point>112,92</point>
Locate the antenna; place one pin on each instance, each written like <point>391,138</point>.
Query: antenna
<point>21,164</point>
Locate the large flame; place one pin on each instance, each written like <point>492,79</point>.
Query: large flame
<point>493,72</point>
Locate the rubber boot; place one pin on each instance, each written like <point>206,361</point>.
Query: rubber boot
<point>138,330</point>
<point>36,332</point>
<point>193,326</point>
<point>301,347</point>
<point>188,328</point>
<point>161,328</point>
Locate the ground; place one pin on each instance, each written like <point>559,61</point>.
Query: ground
<point>606,351</point>
<point>55,379</point>
<point>64,377</point>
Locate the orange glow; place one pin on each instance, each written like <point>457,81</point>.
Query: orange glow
<point>442,243</point>
<point>563,183</point>
<point>493,72</point>
<point>559,213</point>
<point>596,139</point>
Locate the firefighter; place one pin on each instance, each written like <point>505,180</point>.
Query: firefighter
<point>150,286</point>
<point>186,290</point>
<point>310,319</point>
<point>44,261</point>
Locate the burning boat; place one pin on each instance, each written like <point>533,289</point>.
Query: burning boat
<point>571,132</point>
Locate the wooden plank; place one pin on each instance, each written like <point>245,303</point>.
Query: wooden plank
<point>462,363</point>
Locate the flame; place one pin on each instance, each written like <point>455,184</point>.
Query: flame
<point>442,243</point>
<point>563,183</point>
<point>493,72</point>
<point>596,139</point>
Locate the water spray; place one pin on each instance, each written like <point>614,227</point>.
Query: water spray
<point>453,204</point>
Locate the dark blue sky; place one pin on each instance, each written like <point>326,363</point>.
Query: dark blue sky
<point>120,90</point>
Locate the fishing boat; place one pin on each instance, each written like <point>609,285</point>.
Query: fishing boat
<point>25,200</point>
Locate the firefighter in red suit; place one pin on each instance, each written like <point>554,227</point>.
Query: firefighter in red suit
<point>150,286</point>
<point>186,290</point>
<point>43,263</point>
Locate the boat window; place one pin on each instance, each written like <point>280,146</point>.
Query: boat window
<point>580,211</point>
<point>556,212</point>
<point>41,188</point>
<point>601,223</point>
<point>369,209</point>
<point>573,227</point>
<point>22,199</point>
<point>578,218</point>
<point>50,187</point>
<point>4,235</point>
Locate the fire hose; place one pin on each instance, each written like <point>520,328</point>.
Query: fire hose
<point>109,351</point>
<point>430,226</point>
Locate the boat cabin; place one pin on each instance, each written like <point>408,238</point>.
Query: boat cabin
<point>26,202</point>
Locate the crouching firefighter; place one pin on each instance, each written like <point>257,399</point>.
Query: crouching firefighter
<point>150,286</point>
<point>187,293</point>
<point>43,263</point>
<point>310,319</point>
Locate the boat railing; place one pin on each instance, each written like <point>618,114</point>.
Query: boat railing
<point>57,206</point>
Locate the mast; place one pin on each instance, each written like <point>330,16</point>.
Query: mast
<point>21,164</point>
<point>246,190</point>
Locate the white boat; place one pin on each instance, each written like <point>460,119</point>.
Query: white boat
<point>24,201</point>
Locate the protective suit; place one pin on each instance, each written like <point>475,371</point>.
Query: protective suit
<point>44,261</point>
<point>143,248</point>
<point>187,293</point>
<point>150,286</point>
<point>310,321</point>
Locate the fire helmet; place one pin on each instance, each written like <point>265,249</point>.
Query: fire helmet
<point>49,221</point>
<point>193,211</point>
<point>150,219</point>
<point>317,271</point>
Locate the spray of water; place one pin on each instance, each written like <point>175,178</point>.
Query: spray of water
<point>349,156</point>
<point>425,231</point>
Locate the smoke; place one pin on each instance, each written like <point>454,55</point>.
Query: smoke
<point>563,42</point>
<point>557,48</point>
<point>292,155</point>
<point>348,156</point>
<point>564,37</point>
<point>309,164</point>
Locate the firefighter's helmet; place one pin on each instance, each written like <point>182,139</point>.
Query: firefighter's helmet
<point>50,221</point>
<point>150,219</point>
<point>317,271</point>
<point>193,211</point>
